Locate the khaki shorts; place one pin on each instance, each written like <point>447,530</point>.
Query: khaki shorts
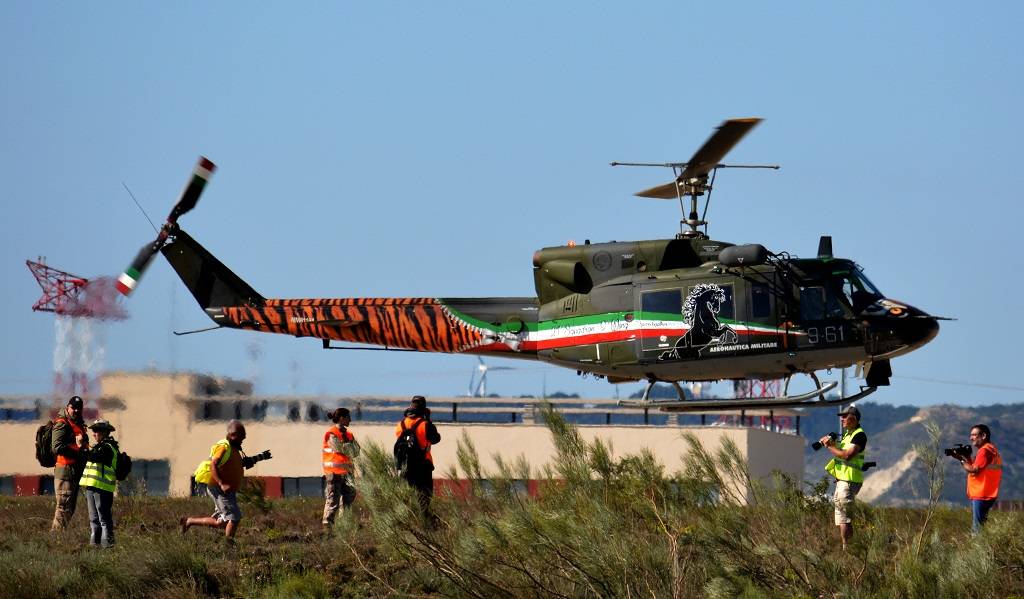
<point>845,492</point>
<point>225,504</point>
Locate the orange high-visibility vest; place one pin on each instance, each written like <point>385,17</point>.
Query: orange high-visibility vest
<point>412,422</point>
<point>336,462</point>
<point>76,430</point>
<point>985,483</point>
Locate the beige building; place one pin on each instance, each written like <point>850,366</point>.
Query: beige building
<point>167,423</point>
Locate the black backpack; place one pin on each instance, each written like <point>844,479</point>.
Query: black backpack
<point>408,453</point>
<point>44,445</point>
<point>124,465</point>
<point>124,461</point>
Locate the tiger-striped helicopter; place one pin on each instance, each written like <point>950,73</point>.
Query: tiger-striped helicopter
<point>683,309</point>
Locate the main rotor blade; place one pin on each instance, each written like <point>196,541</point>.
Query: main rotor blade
<point>190,195</point>
<point>717,146</point>
<point>663,192</point>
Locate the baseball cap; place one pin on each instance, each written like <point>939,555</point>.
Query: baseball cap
<point>851,410</point>
<point>75,402</point>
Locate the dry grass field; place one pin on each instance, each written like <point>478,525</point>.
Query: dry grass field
<point>603,526</point>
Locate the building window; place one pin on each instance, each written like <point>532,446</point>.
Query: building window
<point>148,477</point>
<point>302,486</point>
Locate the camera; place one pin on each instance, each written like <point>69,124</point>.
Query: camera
<point>817,445</point>
<point>959,450</point>
<point>250,461</point>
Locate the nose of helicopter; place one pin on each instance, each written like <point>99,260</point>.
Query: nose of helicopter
<point>896,328</point>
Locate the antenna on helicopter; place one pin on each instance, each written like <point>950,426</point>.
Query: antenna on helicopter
<point>692,176</point>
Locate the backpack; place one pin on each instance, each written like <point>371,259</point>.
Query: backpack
<point>124,466</point>
<point>44,445</point>
<point>202,473</point>
<point>408,453</point>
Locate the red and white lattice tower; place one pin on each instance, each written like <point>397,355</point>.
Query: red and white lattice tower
<point>760,388</point>
<point>81,306</point>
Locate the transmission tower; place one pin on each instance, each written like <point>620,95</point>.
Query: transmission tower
<point>80,306</point>
<point>760,388</point>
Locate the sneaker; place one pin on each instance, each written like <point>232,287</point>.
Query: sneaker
<point>183,524</point>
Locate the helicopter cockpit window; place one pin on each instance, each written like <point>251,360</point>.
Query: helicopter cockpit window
<point>668,301</point>
<point>818,303</point>
<point>856,288</point>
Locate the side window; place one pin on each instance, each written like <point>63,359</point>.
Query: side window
<point>760,301</point>
<point>669,302</point>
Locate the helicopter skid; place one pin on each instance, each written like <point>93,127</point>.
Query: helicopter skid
<point>804,400</point>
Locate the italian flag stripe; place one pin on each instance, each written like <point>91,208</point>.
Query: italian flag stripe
<point>204,169</point>
<point>126,282</point>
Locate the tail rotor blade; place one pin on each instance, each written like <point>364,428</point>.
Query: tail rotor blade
<point>190,195</point>
<point>189,198</point>
<point>130,277</point>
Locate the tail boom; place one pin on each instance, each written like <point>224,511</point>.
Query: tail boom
<point>417,323</point>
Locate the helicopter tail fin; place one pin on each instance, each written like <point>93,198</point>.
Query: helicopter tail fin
<point>211,283</point>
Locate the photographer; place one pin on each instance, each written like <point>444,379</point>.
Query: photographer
<point>847,466</point>
<point>222,474</point>
<point>983,474</point>
<point>418,472</point>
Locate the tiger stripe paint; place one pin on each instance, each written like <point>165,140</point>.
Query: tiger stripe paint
<point>431,325</point>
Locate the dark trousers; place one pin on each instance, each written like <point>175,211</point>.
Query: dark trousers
<point>423,481</point>
<point>101,517</point>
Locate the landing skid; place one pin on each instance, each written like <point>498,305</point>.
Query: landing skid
<point>804,400</point>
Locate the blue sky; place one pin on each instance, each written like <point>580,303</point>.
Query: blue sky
<point>427,149</point>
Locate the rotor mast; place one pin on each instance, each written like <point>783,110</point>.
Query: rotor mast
<point>692,176</point>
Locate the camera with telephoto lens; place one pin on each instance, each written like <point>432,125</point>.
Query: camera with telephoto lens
<point>817,444</point>
<point>250,461</point>
<point>957,451</point>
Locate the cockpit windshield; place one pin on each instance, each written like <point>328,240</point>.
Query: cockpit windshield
<point>855,287</point>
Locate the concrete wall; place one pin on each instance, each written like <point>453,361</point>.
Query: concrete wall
<point>154,422</point>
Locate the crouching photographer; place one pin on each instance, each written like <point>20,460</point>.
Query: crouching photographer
<point>847,466</point>
<point>984,473</point>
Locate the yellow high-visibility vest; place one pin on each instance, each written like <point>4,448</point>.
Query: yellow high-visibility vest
<point>101,477</point>
<point>851,470</point>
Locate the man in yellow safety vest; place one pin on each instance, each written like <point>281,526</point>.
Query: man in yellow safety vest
<point>847,466</point>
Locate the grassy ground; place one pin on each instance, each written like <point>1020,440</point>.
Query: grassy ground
<point>603,526</point>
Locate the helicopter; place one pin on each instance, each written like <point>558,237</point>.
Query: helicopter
<point>687,309</point>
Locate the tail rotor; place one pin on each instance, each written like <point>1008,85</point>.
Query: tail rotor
<point>189,198</point>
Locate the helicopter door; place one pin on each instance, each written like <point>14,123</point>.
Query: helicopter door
<point>822,318</point>
<point>706,317</point>
<point>763,322</point>
<point>661,320</point>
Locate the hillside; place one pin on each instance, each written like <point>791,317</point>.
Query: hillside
<point>892,431</point>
